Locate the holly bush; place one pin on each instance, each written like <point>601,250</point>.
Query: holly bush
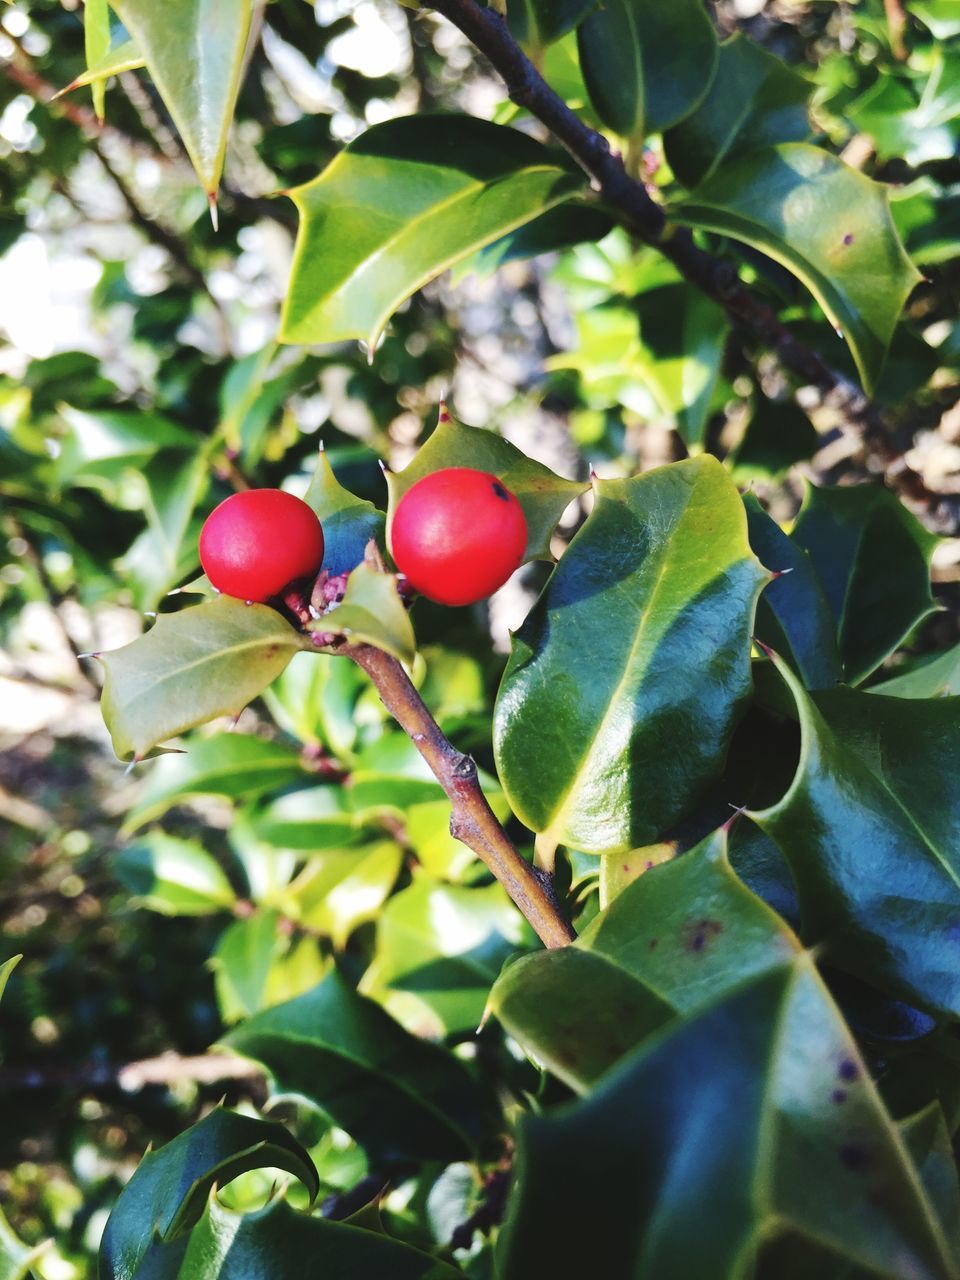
<point>639,953</point>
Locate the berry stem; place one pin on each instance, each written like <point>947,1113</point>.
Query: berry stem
<point>472,821</point>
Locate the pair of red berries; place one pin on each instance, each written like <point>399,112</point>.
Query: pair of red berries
<point>457,535</point>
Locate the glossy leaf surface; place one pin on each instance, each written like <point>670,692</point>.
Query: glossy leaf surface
<point>176,877</point>
<point>394,1094</point>
<point>869,829</point>
<point>543,495</point>
<point>406,200</point>
<point>806,1149</point>
<point>646,63</point>
<point>754,100</point>
<point>96,44</point>
<point>677,939</point>
<point>348,522</point>
<point>537,23</point>
<point>190,667</point>
<point>626,680</point>
<point>197,74</point>
<point>371,612</point>
<point>168,1192</point>
<point>929,678</point>
<point>828,224</point>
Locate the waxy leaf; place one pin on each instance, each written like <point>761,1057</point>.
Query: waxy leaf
<point>777,435</point>
<point>371,612</point>
<point>100,445</point>
<point>348,522</point>
<point>646,63</point>
<point>793,616</point>
<point>930,678</point>
<point>96,44</point>
<point>677,939</point>
<point>122,57</point>
<point>194,50</point>
<point>342,889</point>
<point>394,1094</point>
<point>828,224</point>
<point>400,205</point>
<point>191,667</point>
<point>167,1195</point>
<point>873,560</point>
<point>310,819</point>
<point>754,100</point>
<point>750,1121</point>
<point>627,678</point>
<point>279,1243</point>
<point>543,495</point>
<point>537,23</point>
<point>173,876</point>
<point>869,827</point>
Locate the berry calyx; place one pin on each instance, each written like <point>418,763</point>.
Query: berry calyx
<point>458,534</point>
<point>255,543</point>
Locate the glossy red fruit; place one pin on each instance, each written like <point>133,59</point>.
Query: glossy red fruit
<point>458,534</point>
<point>256,543</point>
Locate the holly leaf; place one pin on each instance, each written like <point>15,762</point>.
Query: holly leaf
<point>828,224</point>
<point>191,667</point>
<point>168,1193</point>
<point>807,1155</point>
<point>543,495</point>
<point>395,1094</point>
<point>194,53</point>
<point>626,680</point>
<point>400,205</point>
<point>537,23</point>
<point>112,62</point>
<point>6,969</point>
<point>348,522</point>
<point>932,677</point>
<point>96,43</point>
<point>646,63</point>
<point>173,876</point>
<point>868,827</point>
<point>778,434</point>
<point>371,612</point>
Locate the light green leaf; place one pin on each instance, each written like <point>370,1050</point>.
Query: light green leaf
<point>439,949</point>
<point>930,678</point>
<point>646,63</point>
<point>6,969</point>
<point>194,50</point>
<point>348,522</point>
<point>96,44</point>
<point>340,890</point>
<point>101,445</point>
<point>754,100</point>
<point>677,939</point>
<point>122,57</point>
<point>626,680</point>
<point>225,764</point>
<point>255,965</point>
<point>371,612</point>
<point>868,827</point>
<point>752,1121</point>
<point>166,551</point>
<point>315,701</point>
<point>175,877</point>
<point>191,667</point>
<point>391,1092</point>
<point>406,200</point>
<point>17,1258</point>
<point>543,495</point>
<point>828,224</point>
<point>311,819</point>
<point>872,558</point>
<point>169,1191</point>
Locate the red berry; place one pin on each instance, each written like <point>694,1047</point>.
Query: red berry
<point>258,542</point>
<point>458,534</point>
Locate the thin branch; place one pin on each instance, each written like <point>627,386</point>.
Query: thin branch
<point>167,1069</point>
<point>716,277</point>
<point>472,820</point>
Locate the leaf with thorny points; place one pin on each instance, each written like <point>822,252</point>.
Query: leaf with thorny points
<point>869,827</point>
<point>191,667</point>
<point>371,612</point>
<point>828,224</point>
<point>755,1118</point>
<point>168,1193</point>
<point>401,204</point>
<point>348,522</point>
<point>543,495</point>
<point>628,677</point>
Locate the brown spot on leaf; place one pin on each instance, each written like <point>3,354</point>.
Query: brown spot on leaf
<point>698,934</point>
<point>654,943</point>
<point>848,1070</point>
<point>848,238</point>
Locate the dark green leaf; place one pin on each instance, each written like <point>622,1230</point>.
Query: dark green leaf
<point>394,1094</point>
<point>167,1195</point>
<point>406,200</point>
<point>537,23</point>
<point>191,667</point>
<point>793,616</point>
<point>930,678</point>
<point>777,435</point>
<point>627,678</point>
<point>559,228</point>
<point>646,63</point>
<point>340,890</point>
<point>873,560</point>
<point>869,829</point>
<point>828,224</point>
<point>348,522</point>
<point>751,1119</point>
<point>754,100</point>
<point>543,495</point>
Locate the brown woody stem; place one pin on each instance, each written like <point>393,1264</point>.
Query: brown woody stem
<point>472,820</point>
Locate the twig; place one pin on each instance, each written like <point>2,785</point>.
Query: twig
<point>716,277</point>
<point>168,1068</point>
<point>472,820</point>
<point>488,1213</point>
